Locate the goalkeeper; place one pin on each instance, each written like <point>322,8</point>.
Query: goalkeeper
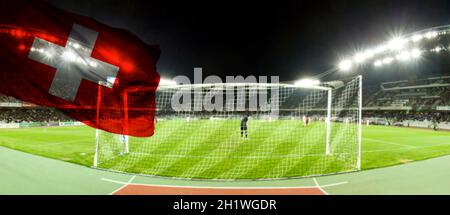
<point>244,131</point>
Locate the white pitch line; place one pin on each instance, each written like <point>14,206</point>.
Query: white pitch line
<point>334,184</point>
<point>318,186</point>
<point>213,187</point>
<point>389,142</point>
<point>64,142</point>
<point>123,184</point>
<point>113,181</point>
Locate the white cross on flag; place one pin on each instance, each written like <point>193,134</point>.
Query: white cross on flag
<point>102,76</point>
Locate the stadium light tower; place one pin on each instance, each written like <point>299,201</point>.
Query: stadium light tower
<point>345,65</point>
<point>398,49</point>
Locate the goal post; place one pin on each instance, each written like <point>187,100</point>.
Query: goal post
<point>122,138</point>
<point>358,162</point>
<point>291,131</point>
<point>328,120</point>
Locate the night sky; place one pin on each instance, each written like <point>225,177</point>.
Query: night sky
<point>292,39</point>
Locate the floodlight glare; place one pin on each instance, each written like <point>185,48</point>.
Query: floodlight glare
<point>380,49</point>
<point>397,43</point>
<point>415,53</point>
<point>438,49</point>
<point>369,53</point>
<point>431,34</point>
<point>49,53</point>
<point>69,55</point>
<point>417,38</point>
<point>307,82</point>
<point>166,82</point>
<point>360,57</point>
<point>387,60</point>
<point>80,60</point>
<point>38,50</point>
<point>378,63</point>
<point>92,63</point>
<point>345,65</point>
<point>404,56</point>
<point>76,45</point>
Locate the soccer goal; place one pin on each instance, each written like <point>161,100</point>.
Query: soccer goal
<point>244,131</point>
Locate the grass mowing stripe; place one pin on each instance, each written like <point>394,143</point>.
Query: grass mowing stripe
<point>161,162</point>
<point>205,162</point>
<point>262,168</point>
<point>186,160</point>
<point>129,164</point>
<point>240,148</point>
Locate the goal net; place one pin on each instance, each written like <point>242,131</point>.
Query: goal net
<point>244,131</point>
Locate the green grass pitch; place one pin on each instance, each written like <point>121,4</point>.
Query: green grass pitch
<point>382,146</point>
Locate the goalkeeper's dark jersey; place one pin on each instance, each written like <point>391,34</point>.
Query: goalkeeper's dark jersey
<point>244,121</point>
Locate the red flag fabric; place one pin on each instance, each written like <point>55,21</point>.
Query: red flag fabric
<point>102,76</point>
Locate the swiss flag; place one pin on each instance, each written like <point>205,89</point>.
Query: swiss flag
<point>102,76</point>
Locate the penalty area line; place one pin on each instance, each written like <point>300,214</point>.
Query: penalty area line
<point>334,184</point>
<point>202,187</point>
<point>124,184</point>
<point>113,181</point>
<point>390,142</point>
<point>319,187</point>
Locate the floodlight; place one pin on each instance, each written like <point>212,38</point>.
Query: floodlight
<point>431,34</point>
<point>380,49</point>
<point>378,63</point>
<point>405,55</point>
<point>69,55</point>
<point>38,50</point>
<point>438,49</point>
<point>76,45</point>
<point>396,43</point>
<point>415,53</point>
<point>369,53</point>
<point>307,82</point>
<point>417,38</point>
<point>92,63</point>
<point>387,60</point>
<point>49,52</point>
<point>360,57</point>
<point>345,65</point>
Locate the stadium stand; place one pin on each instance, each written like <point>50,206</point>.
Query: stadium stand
<point>15,111</point>
<point>415,103</point>
<point>18,115</point>
<point>425,94</point>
